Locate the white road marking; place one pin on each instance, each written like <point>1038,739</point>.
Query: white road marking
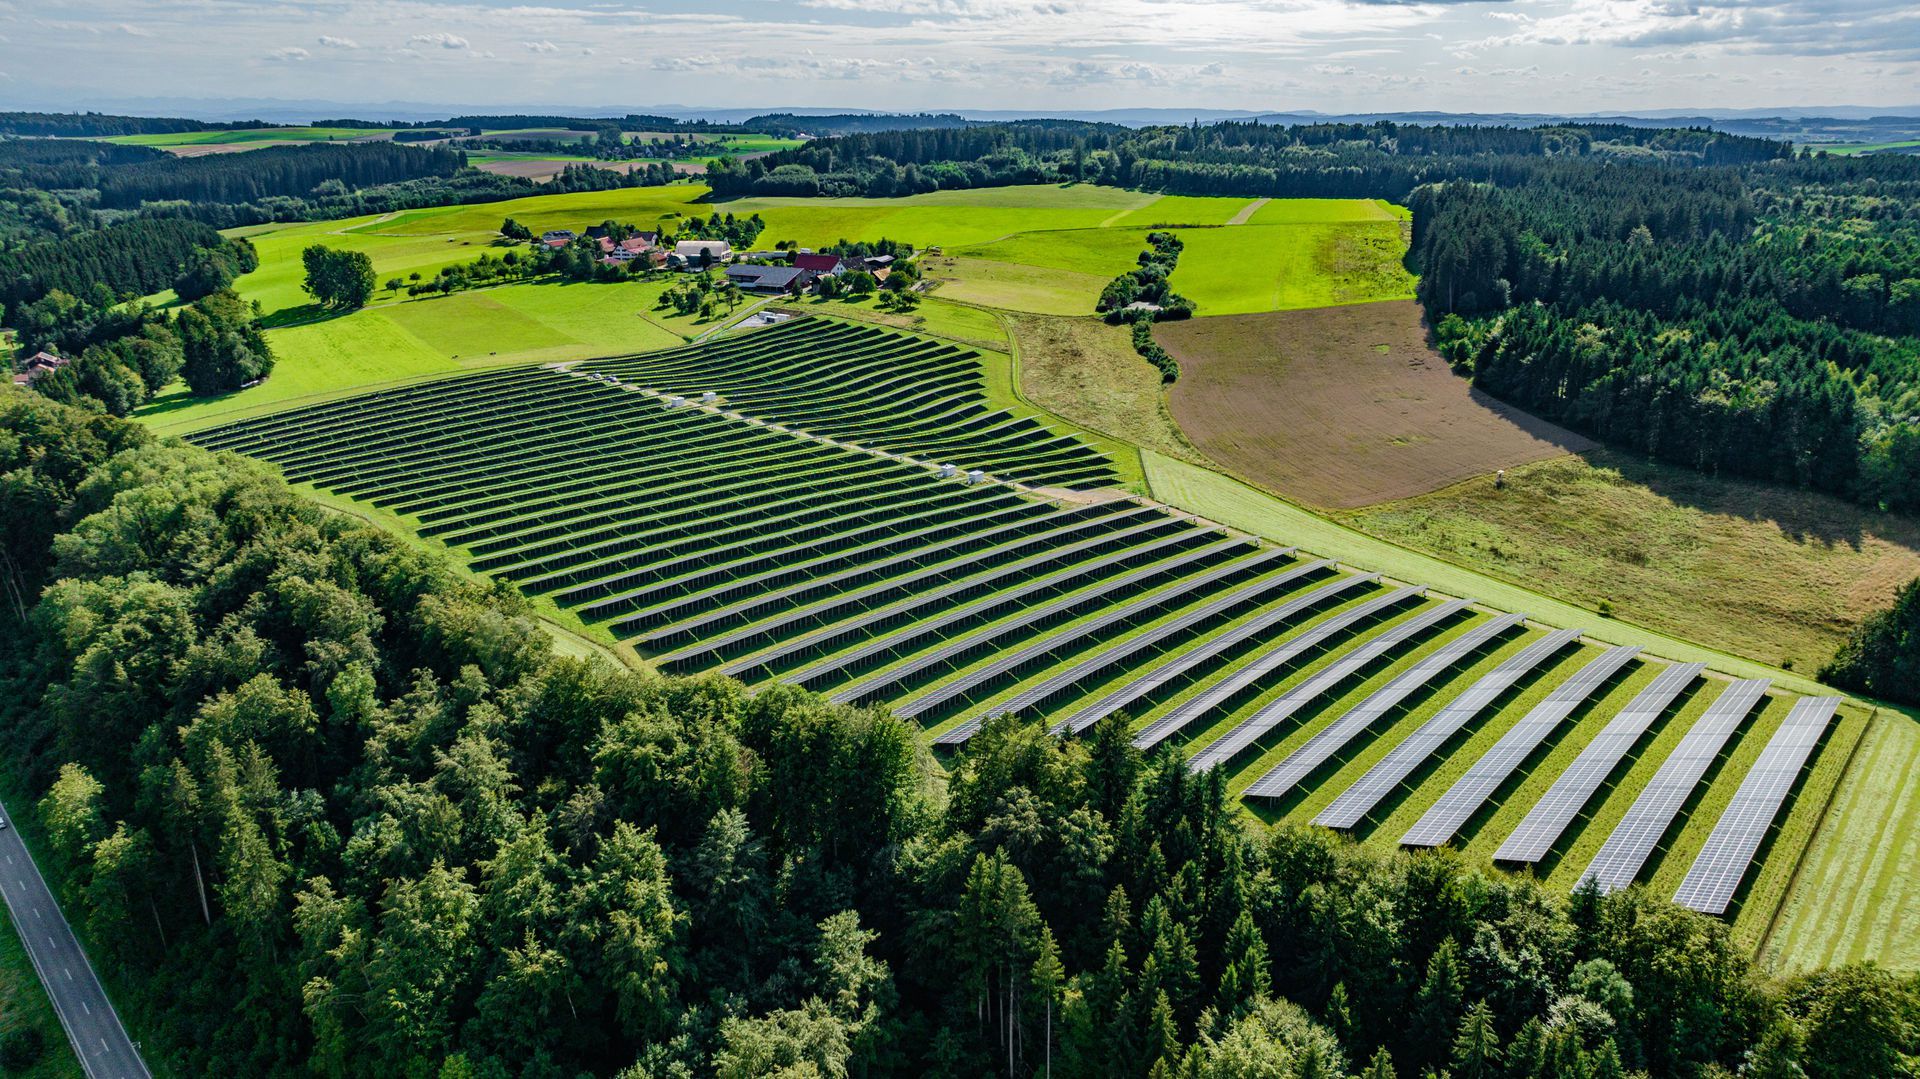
<point>67,972</point>
<point>37,914</point>
<point>87,1006</point>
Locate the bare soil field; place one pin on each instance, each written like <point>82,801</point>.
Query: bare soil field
<point>1341,407</point>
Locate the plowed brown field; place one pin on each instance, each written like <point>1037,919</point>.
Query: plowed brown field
<point>1343,406</point>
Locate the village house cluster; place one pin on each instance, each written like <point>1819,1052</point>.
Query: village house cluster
<point>767,272</point>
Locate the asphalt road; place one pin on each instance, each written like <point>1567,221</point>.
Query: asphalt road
<point>93,1027</point>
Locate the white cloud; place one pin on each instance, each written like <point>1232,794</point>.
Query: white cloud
<point>443,40</point>
<point>540,46</point>
<point>292,53</point>
<point>332,42</point>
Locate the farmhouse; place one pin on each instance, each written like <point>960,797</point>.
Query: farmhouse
<point>37,365</point>
<point>565,236</point>
<point>770,279</point>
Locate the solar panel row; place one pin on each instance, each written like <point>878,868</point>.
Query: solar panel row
<point>1632,841</point>
<point>1077,675</point>
<point>1334,737</point>
<point>1157,677</point>
<point>1272,660</point>
<point>869,687</point>
<point>1353,804</point>
<point>1549,817</point>
<point>1151,525</point>
<point>1444,818</point>
<point>1723,862</point>
<point>1277,711</point>
<point>1013,660</point>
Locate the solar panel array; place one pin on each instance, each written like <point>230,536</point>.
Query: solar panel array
<point>1277,711</point>
<point>1136,540</point>
<point>1007,662</point>
<point>1633,840</point>
<point>1352,805</point>
<point>1195,658</point>
<point>1723,862</point>
<point>1083,671</point>
<point>1178,559</point>
<point>1570,793</point>
<point>1334,737</point>
<point>1443,820</point>
<point>803,529</point>
<point>1272,660</point>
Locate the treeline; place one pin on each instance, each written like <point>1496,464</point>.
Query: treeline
<point>274,171</point>
<point>131,258</point>
<point>462,188</point>
<point>66,163</point>
<point>1373,160</point>
<point>629,122</point>
<point>95,125</point>
<point>322,804</point>
<point>789,124</point>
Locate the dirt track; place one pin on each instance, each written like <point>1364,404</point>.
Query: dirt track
<point>1343,406</point>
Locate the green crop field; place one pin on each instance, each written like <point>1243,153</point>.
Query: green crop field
<point>795,527</point>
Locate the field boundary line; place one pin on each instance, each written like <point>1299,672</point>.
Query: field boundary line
<point>1819,826</point>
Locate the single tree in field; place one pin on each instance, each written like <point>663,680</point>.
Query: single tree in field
<point>395,284</point>
<point>342,280</point>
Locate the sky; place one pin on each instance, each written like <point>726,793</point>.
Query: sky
<point>910,55</point>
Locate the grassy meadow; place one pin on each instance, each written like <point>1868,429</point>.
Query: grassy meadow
<point>1039,249</point>
<point>249,137</point>
<point>1670,549</point>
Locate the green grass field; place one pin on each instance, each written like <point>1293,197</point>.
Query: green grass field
<point>1857,896</point>
<point>1865,147</point>
<point>1256,267</point>
<point>1044,249</point>
<point>405,340</point>
<point>244,136</point>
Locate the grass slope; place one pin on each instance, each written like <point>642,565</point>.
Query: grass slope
<point>1087,371</point>
<point>1254,267</point>
<point>1671,549</point>
<point>393,342</point>
<point>24,1005</point>
<point>1856,896</point>
<point>1230,502</point>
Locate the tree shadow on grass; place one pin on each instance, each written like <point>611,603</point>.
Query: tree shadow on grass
<point>1804,516</point>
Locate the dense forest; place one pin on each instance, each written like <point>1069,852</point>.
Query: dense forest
<point>132,258</point>
<point>323,804</point>
<point>276,170</point>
